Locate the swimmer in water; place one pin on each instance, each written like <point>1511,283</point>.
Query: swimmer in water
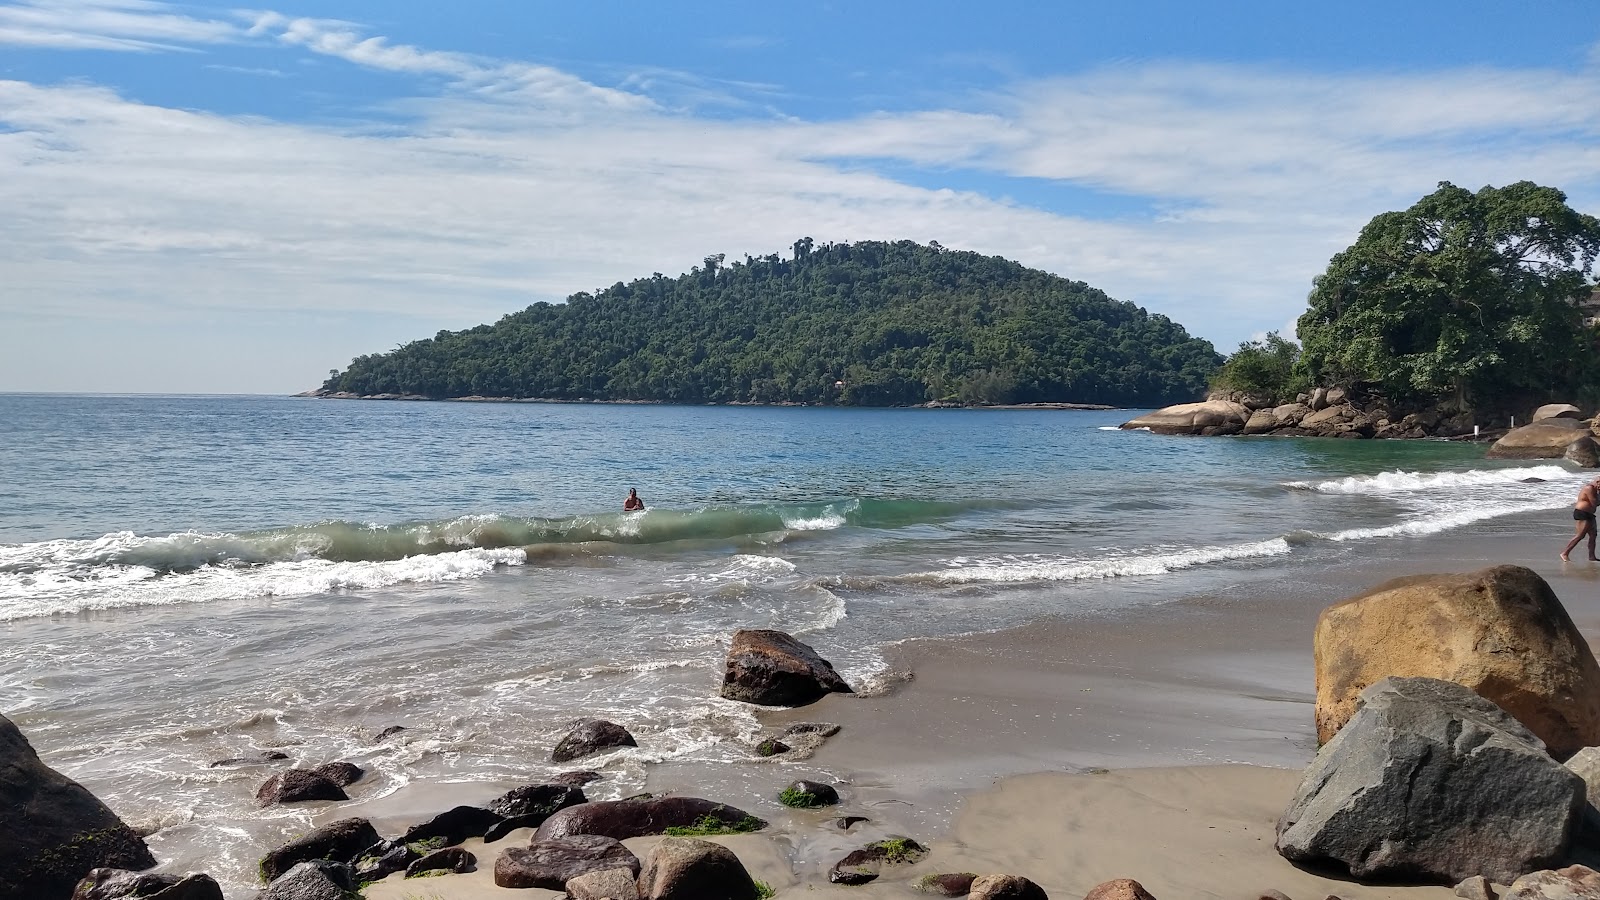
<point>633,502</point>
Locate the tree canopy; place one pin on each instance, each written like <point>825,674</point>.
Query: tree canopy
<point>871,324</point>
<point>1470,294</point>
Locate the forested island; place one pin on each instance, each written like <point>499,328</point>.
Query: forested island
<point>865,324</point>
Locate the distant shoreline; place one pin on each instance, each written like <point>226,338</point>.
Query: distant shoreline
<point>932,404</point>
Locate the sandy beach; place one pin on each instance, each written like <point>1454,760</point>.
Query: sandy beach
<point>1160,744</point>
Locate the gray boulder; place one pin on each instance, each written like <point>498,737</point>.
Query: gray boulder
<point>606,884</point>
<point>692,869</point>
<point>623,819</point>
<point>1586,763</point>
<point>1583,452</point>
<point>772,668</point>
<point>340,841</point>
<point>316,880</point>
<point>1429,782</point>
<point>591,736</point>
<point>1571,883</point>
<point>550,864</point>
<point>52,830</point>
<point>117,884</point>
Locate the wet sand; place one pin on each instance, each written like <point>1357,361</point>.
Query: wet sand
<point>1160,744</point>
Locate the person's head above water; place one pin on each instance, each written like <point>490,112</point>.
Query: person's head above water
<point>633,492</point>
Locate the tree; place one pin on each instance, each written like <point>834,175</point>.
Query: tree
<point>1266,368</point>
<point>1470,294</point>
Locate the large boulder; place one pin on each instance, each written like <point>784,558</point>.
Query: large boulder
<point>340,841</point>
<point>452,826</point>
<point>1291,414</point>
<point>299,786</point>
<point>1191,418</point>
<point>591,736</point>
<point>52,830</point>
<point>1261,421</point>
<point>314,880</point>
<point>771,668</point>
<point>690,869</point>
<point>1430,782</point>
<point>117,884</point>
<point>1500,632</point>
<point>1328,417</point>
<point>623,819</point>
<point>1120,888</point>
<point>1586,763</point>
<point>549,864</point>
<point>606,884</point>
<point>1571,883</point>
<point>536,800</point>
<point>1548,439</point>
<point>1556,411</point>
<point>1584,452</point>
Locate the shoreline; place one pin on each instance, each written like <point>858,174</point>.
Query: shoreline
<point>1158,744</point>
<point>931,404</point>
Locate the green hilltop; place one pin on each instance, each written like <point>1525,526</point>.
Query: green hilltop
<point>866,324</point>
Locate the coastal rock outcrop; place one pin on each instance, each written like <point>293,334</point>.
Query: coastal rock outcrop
<point>772,668</point>
<point>1570,883</point>
<point>691,869</point>
<point>1583,452</point>
<point>1005,887</point>
<point>314,880</point>
<point>1500,632</point>
<point>116,884</point>
<point>591,736</point>
<point>298,786</point>
<point>1547,439</point>
<point>340,841</point>
<point>53,831</point>
<point>1193,418</point>
<point>549,864</point>
<point>623,819</point>
<point>1556,411</point>
<point>1430,782</point>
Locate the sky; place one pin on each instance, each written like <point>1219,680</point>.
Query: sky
<point>205,198</point>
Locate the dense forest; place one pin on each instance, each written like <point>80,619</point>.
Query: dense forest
<point>865,324</point>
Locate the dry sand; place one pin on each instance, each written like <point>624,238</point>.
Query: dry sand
<point>996,753</point>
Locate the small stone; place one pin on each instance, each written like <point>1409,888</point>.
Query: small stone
<point>1118,889</point>
<point>591,736</point>
<point>951,884</point>
<point>1475,888</point>
<point>805,794</point>
<point>772,747</point>
<point>1005,887</point>
<point>450,859</point>
<point>845,822</point>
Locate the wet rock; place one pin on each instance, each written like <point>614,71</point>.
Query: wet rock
<point>805,794</point>
<point>1431,782</point>
<point>623,819</point>
<point>452,827</point>
<point>691,869</point>
<point>1500,632</point>
<point>844,822</point>
<point>298,786</point>
<point>536,800</point>
<point>606,884</point>
<point>1005,887</point>
<point>505,826</point>
<point>820,729</point>
<point>343,774</point>
<point>260,759</point>
<point>951,884</point>
<point>382,860</point>
<point>1583,452</point>
<point>391,731</point>
<point>551,863</point>
<point>450,859</point>
<point>576,779</point>
<point>591,736</point>
<point>771,747</point>
<point>342,841</point>
<point>772,668</point>
<point>863,865</point>
<point>314,880</point>
<point>1118,889</point>
<point>1571,883</point>
<point>115,884</point>
<point>1475,888</point>
<point>52,830</point>
<point>1192,418</point>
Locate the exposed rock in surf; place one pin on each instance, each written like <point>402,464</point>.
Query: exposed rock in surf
<point>772,668</point>
<point>263,758</point>
<point>1571,883</point>
<point>1005,887</point>
<point>820,729</point>
<point>315,880</point>
<point>1542,440</point>
<point>1118,889</point>
<point>949,884</point>
<point>623,819</point>
<point>864,865</point>
<point>772,747</point>
<point>691,869</point>
<point>576,779</point>
<point>451,859</point>
<point>606,884</point>
<point>805,794</point>
<point>343,774</point>
<point>452,827</point>
<point>1583,452</point>
<point>844,823</point>
<point>298,786</point>
<point>1500,632</point>
<point>549,864</point>
<point>341,841</point>
<point>1192,418</point>
<point>536,800</point>
<point>1430,782</point>
<point>53,830</point>
<point>389,732</point>
<point>589,737</point>
<point>116,884</point>
<point>1556,411</point>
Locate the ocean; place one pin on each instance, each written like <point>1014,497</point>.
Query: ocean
<point>187,579</point>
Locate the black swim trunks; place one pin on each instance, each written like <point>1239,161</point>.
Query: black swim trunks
<point>1582,515</point>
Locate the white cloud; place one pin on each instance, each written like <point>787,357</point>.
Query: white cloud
<point>517,182</point>
<point>134,25</point>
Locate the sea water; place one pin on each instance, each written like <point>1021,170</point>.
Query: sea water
<point>190,579</point>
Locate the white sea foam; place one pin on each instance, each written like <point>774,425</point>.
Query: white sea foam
<point>1399,482</point>
<point>57,582</point>
<point>745,568</point>
<point>1437,522</point>
<point>1039,567</point>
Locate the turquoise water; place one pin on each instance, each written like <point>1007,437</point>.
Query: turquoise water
<point>185,579</point>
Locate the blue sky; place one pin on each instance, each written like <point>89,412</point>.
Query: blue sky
<point>209,198</point>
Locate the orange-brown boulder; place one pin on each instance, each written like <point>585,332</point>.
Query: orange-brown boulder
<point>1500,632</point>
<point>1118,889</point>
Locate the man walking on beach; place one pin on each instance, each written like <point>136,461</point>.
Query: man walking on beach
<point>1583,515</point>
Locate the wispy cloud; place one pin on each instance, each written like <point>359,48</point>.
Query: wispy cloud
<point>128,25</point>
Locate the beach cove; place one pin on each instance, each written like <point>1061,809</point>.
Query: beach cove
<point>1023,600</point>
